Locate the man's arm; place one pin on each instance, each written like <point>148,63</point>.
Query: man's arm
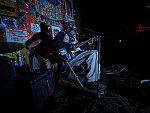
<point>58,41</point>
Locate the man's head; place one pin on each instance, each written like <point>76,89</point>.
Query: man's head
<point>68,25</point>
<point>44,27</point>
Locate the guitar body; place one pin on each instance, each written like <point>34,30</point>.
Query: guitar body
<point>70,54</point>
<point>40,44</point>
<point>64,53</point>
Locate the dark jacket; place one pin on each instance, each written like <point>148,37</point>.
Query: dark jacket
<point>58,40</point>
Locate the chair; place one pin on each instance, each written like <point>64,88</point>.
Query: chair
<point>68,65</point>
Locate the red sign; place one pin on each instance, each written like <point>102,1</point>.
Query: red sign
<point>142,28</point>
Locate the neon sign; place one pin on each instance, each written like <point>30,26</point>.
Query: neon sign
<point>142,28</point>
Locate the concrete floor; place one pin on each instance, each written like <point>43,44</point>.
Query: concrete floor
<point>124,95</point>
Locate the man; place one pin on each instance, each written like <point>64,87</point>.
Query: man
<point>40,47</point>
<point>40,42</point>
<point>64,39</point>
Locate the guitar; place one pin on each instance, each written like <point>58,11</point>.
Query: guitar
<point>40,47</point>
<point>33,45</point>
<point>71,54</point>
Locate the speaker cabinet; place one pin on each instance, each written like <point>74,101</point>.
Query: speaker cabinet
<point>33,90</point>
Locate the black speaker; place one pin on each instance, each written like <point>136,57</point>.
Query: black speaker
<point>42,88</point>
<point>34,89</point>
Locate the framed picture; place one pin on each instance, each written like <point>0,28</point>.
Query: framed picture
<point>55,30</point>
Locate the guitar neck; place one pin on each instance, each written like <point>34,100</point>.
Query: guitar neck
<point>84,42</point>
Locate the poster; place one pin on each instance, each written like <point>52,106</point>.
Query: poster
<point>9,22</point>
<point>35,27</point>
<point>20,36</point>
<point>55,30</point>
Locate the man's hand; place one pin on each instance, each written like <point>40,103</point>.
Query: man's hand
<point>90,41</point>
<point>74,47</point>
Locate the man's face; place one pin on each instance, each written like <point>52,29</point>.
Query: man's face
<point>69,26</point>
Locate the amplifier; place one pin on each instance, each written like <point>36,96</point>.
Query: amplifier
<point>33,90</point>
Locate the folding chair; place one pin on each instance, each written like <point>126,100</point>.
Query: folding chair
<point>69,64</point>
<point>73,72</point>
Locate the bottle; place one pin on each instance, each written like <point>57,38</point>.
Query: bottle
<point>68,56</point>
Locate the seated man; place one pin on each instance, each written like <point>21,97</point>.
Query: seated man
<point>64,42</point>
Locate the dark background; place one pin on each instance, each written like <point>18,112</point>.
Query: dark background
<point>119,20</point>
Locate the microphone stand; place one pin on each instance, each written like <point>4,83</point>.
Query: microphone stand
<point>99,36</point>
<point>99,69</point>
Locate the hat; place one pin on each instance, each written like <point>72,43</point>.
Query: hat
<point>68,20</point>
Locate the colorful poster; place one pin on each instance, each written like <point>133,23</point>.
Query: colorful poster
<point>9,8</point>
<point>49,11</point>
<point>15,58</point>
<point>9,22</point>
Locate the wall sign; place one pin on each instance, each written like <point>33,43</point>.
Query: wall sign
<point>12,38</point>
<point>8,8</point>
<point>141,28</point>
